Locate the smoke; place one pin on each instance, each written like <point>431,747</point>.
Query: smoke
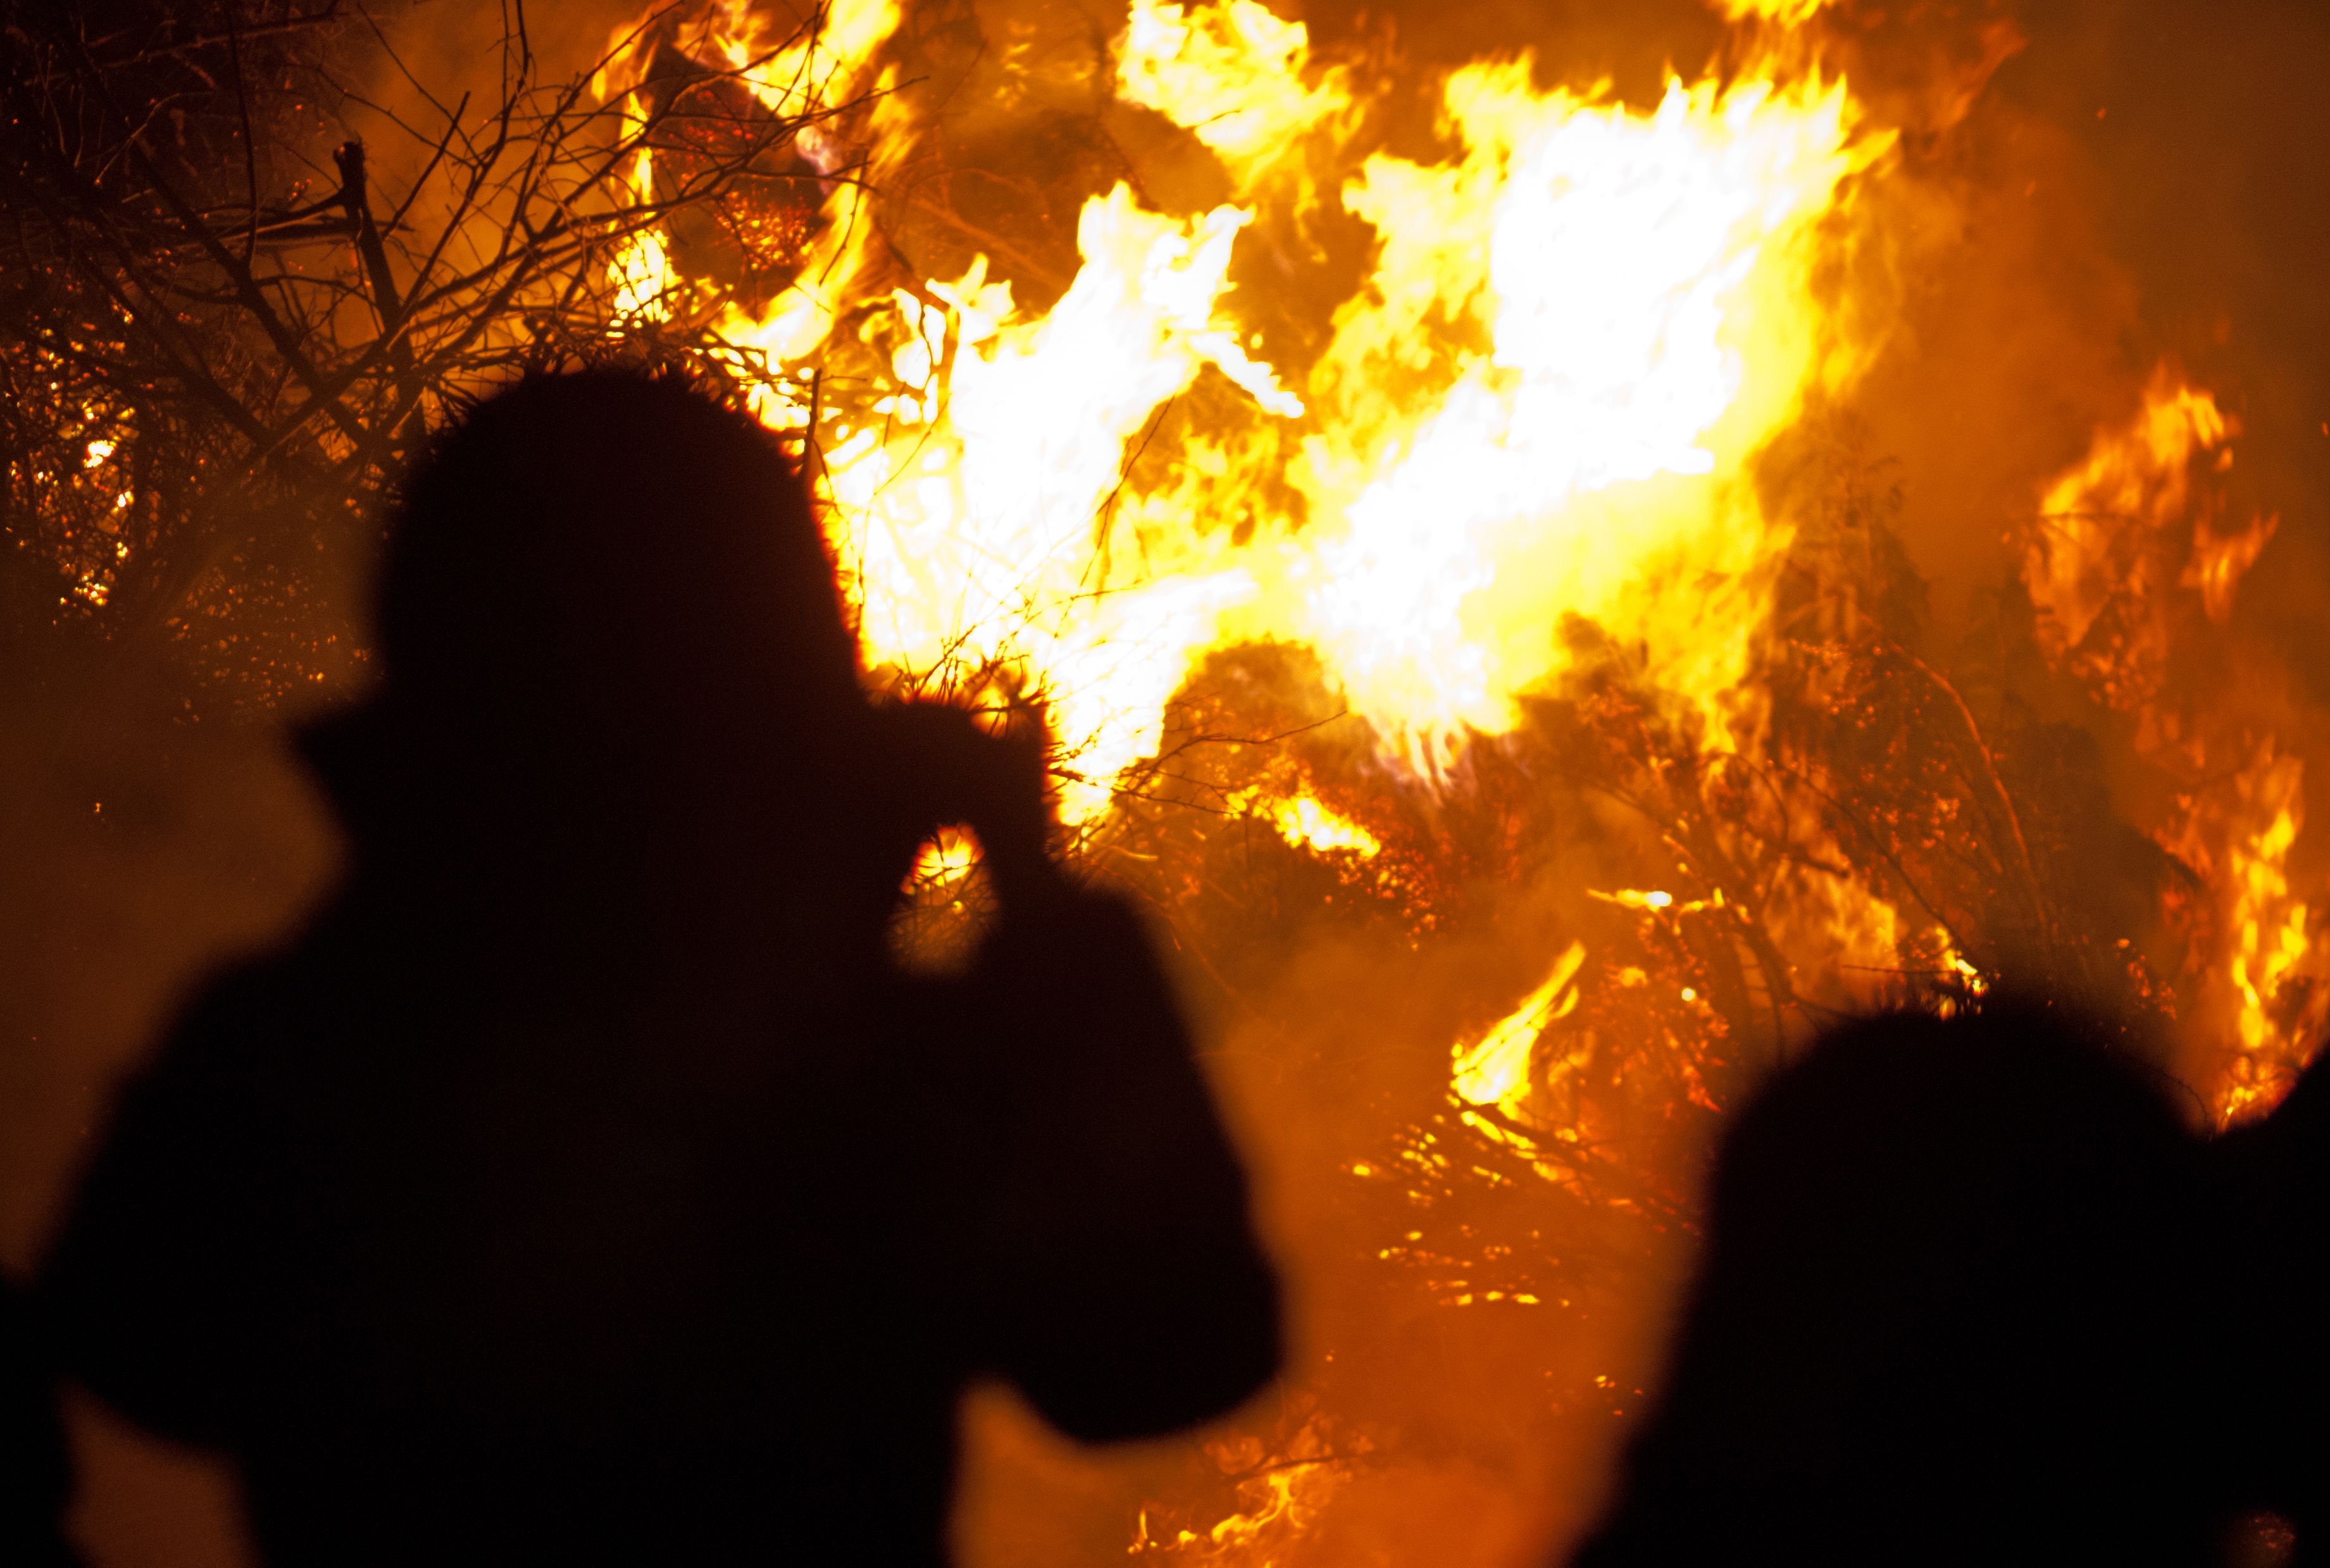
<point>139,852</point>
<point>2085,190</point>
<point>2037,263</point>
<point>2203,133</point>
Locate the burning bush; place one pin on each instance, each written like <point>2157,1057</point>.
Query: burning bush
<point>1441,511</point>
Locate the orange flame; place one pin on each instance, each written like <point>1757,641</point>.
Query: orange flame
<point>1637,287</point>
<point>1580,324</point>
<point>2100,577</point>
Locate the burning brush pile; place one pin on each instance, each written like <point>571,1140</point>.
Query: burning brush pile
<point>1451,515</point>
<point>1434,510</point>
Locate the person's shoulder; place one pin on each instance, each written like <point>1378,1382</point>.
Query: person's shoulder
<point>243,1009</point>
<point>259,1026</point>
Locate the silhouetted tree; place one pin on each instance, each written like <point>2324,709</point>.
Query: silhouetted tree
<point>221,334</point>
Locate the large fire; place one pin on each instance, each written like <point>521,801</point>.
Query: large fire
<point>1505,496</point>
<point>1477,453</point>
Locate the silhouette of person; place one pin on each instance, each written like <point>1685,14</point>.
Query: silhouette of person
<point>35,1474</point>
<point>585,1185</point>
<point>1944,1316</point>
<point>2269,1330</point>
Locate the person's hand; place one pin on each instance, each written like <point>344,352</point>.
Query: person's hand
<point>993,784</point>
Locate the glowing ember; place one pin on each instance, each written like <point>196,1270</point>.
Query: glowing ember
<point>1276,1504</point>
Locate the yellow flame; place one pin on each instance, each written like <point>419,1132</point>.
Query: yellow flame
<point>1276,1503</point>
<point>1494,1070</point>
<point>2137,475</point>
<point>797,67</point>
<point>974,534</point>
<point>641,269</point>
<point>946,860</point>
<point>1643,284</point>
<point>2220,562</point>
<point>2270,935</point>
<point>1636,898</point>
<point>1784,13</point>
<point>1577,328</point>
<point>2112,526</point>
<point>1305,823</point>
<point>1580,324</point>
<point>1232,74</point>
<point>809,74</point>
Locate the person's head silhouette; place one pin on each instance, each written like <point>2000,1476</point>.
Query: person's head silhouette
<point>615,666</point>
<point>615,663</point>
<point>1946,1264</point>
<point>611,552</point>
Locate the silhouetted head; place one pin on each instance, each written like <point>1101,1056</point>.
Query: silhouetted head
<point>617,684</point>
<point>613,556</point>
<point>1940,1316</point>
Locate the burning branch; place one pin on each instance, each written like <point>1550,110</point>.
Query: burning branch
<point>218,365</point>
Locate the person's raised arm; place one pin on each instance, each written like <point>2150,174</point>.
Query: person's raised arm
<point>1123,1287</point>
